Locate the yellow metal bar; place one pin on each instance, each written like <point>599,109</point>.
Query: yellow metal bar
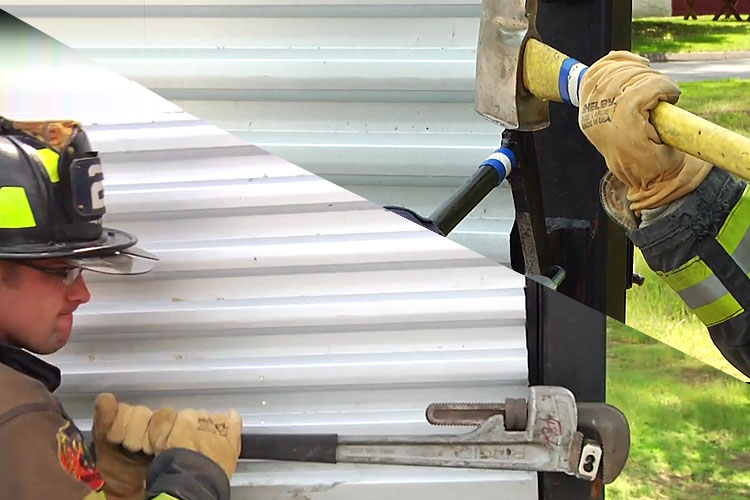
<point>677,128</point>
<point>541,70</point>
<point>703,139</point>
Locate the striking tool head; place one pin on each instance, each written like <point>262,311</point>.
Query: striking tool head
<point>505,27</point>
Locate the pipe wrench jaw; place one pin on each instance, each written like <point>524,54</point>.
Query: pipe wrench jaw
<point>586,440</point>
<point>606,425</point>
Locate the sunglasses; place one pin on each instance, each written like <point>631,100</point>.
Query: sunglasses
<point>68,274</point>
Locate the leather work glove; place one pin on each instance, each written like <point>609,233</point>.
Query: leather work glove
<point>120,440</point>
<point>216,435</point>
<point>617,94</point>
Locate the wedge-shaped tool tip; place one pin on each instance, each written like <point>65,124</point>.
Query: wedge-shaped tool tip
<point>504,28</point>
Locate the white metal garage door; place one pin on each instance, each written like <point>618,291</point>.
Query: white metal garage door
<point>301,304</point>
<point>374,96</point>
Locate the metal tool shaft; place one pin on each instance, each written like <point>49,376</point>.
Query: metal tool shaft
<point>453,210</point>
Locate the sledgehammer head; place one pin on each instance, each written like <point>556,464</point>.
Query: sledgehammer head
<point>501,97</point>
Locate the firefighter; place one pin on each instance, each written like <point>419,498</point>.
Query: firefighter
<point>51,206</point>
<point>690,220</point>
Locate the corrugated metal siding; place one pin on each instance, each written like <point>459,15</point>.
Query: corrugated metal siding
<point>304,306</point>
<point>377,98</point>
<point>322,312</point>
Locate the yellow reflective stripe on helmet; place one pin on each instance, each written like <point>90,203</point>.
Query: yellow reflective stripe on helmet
<point>51,161</point>
<point>95,495</point>
<point>15,210</point>
<point>99,495</point>
<point>697,285</point>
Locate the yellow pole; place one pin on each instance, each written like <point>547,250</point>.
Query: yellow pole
<point>676,127</point>
<point>541,70</point>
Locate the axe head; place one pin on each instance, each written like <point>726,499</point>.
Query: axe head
<point>501,97</point>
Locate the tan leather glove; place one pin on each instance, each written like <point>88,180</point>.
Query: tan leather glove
<point>216,435</point>
<point>617,93</point>
<point>118,426</point>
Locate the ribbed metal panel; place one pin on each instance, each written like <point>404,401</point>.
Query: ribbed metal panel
<point>293,300</point>
<point>377,98</point>
<point>304,306</point>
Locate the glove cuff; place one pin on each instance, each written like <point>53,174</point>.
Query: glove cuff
<point>651,215</point>
<point>673,238</point>
<point>613,194</point>
<point>187,475</point>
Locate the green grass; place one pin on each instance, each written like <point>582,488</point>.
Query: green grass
<point>673,34</point>
<point>656,309</point>
<point>689,423</point>
<point>725,102</point>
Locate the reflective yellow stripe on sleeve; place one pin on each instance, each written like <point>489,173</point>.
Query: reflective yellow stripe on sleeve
<point>734,233</point>
<point>15,210</point>
<point>164,496</point>
<point>697,285</point>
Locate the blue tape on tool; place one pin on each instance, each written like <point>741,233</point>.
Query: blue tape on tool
<point>562,82</point>
<point>504,161</point>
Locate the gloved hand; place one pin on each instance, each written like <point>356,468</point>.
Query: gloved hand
<point>216,435</point>
<point>118,426</point>
<point>617,93</point>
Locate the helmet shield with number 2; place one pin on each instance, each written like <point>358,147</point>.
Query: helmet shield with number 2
<point>52,201</point>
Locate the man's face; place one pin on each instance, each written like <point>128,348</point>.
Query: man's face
<point>36,307</point>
